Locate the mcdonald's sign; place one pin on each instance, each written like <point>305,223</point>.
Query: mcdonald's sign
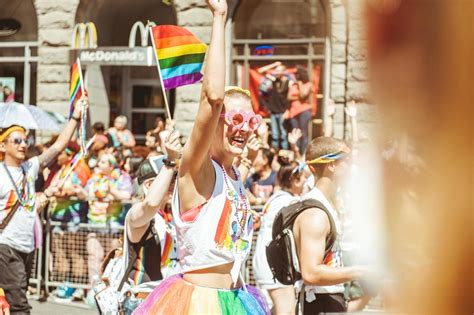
<point>84,46</point>
<point>84,36</point>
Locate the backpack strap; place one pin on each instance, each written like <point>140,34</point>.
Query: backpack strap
<point>313,203</point>
<point>134,254</point>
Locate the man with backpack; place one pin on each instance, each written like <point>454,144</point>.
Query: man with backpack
<point>322,270</point>
<point>305,247</point>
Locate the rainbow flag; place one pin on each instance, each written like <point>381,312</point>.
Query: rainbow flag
<point>180,55</point>
<point>75,91</point>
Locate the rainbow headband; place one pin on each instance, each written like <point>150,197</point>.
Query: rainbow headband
<point>327,158</point>
<point>9,131</point>
<point>324,159</point>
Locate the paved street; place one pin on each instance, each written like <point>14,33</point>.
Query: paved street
<point>52,308</point>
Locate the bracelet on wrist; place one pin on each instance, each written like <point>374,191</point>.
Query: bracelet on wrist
<point>75,118</point>
<point>247,165</point>
<point>246,162</point>
<point>169,163</point>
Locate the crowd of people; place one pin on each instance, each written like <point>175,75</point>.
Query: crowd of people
<point>187,209</point>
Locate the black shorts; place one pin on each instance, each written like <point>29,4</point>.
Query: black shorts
<point>325,303</point>
<point>15,272</point>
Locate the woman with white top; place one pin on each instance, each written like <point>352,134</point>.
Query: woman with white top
<point>210,209</point>
<point>291,184</point>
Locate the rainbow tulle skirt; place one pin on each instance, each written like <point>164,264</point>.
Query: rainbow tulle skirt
<point>177,296</point>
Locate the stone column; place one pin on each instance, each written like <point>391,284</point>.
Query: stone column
<point>358,89</point>
<point>194,16</point>
<point>55,24</point>
<point>338,79</point>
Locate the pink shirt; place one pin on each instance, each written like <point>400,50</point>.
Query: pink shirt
<point>297,107</point>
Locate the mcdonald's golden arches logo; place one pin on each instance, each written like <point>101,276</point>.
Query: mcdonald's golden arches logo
<point>84,36</point>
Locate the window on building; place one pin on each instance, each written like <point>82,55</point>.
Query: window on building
<point>18,51</point>
<point>290,31</point>
<point>265,19</point>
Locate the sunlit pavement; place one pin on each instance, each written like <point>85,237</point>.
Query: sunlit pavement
<point>52,307</point>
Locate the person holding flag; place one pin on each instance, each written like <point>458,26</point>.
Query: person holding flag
<point>210,209</point>
<point>18,204</point>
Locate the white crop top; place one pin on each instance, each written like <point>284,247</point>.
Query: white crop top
<point>221,232</point>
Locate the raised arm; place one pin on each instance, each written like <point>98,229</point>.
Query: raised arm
<point>351,111</point>
<point>65,136</point>
<point>196,150</point>
<point>313,226</point>
<point>293,138</point>
<point>268,67</point>
<point>141,213</point>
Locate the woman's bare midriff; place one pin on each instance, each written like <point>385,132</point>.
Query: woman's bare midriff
<point>215,277</point>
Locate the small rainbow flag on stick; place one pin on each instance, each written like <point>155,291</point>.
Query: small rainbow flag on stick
<point>76,86</point>
<point>76,90</point>
<point>180,55</point>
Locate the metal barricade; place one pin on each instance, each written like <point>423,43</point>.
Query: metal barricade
<point>247,269</point>
<point>35,276</point>
<point>73,252</point>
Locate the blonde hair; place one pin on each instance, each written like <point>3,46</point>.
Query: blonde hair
<point>122,119</point>
<point>237,91</point>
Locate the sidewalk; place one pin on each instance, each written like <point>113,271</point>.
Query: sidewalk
<point>52,307</point>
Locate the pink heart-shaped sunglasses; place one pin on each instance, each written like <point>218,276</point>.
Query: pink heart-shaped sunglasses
<point>237,118</point>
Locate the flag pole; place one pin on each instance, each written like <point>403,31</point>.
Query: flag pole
<point>168,112</point>
<point>82,129</point>
<point>80,74</point>
<point>73,166</point>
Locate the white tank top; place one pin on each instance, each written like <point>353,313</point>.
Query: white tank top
<point>334,257</point>
<point>221,232</point>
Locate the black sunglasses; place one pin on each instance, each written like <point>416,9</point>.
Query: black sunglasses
<point>19,141</point>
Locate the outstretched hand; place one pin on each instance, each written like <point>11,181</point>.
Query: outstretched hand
<point>170,124</point>
<point>173,146</point>
<point>294,135</point>
<point>82,104</point>
<point>218,7</point>
<point>253,146</point>
<point>331,108</point>
<point>351,109</point>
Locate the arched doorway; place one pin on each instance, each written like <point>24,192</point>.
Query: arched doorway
<point>18,51</point>
<point>292,32</point>
<point>120,88</point>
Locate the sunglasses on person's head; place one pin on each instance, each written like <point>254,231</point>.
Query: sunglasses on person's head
<point>237,118</point>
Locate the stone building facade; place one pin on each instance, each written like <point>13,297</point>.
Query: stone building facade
<point>347,74</point>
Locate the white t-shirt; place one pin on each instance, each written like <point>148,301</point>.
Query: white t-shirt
<point>19,233</point>
<point>262,272</point>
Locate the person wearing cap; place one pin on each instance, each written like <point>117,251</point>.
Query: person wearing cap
<point>18,204</point>
<point>150,218</point>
